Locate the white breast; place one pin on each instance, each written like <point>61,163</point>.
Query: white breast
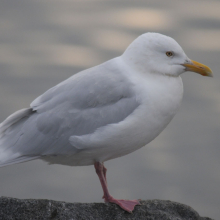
<point>160,97</point>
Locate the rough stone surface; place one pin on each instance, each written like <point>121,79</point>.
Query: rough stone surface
<point>28,209</point>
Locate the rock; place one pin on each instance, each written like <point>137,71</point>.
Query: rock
<point>32,209</point>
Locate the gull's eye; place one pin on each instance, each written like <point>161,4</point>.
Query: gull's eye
<point>169,53</point>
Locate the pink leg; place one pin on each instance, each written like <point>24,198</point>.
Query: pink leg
<point>104,173</point>
<point>127,205</point>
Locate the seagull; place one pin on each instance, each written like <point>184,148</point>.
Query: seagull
<point>103,112</point>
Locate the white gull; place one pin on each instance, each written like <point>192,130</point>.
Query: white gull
<point>103,112</point>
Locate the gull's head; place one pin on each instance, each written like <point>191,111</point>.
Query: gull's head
<point>160,54</point>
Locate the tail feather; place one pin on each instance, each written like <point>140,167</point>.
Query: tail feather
<point>18,160</point>
<point>9,135</point>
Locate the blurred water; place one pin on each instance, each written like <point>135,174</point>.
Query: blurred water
<point>44,42</point>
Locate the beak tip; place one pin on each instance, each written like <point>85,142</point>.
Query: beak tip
<point>209,73</point>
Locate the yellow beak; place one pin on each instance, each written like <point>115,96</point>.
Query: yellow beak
<point>198,68</point>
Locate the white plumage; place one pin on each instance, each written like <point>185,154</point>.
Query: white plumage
<point>103,112</point>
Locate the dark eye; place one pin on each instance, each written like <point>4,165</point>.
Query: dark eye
<point>169,53</point>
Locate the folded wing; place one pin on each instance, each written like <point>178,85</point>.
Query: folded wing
<point>76,107</point>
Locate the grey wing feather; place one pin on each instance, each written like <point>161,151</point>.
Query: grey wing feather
<point>12,119</point>
<point>77,106</point>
